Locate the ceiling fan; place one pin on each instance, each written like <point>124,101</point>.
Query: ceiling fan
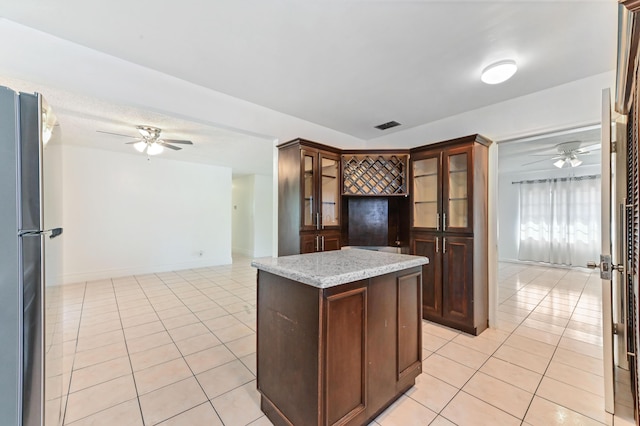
<point>149,140</point>
<point>568,153</point>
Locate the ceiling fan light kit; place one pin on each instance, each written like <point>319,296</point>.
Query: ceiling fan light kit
<point>572,161</point>
<point>499,72</point>
<point>149,141</point>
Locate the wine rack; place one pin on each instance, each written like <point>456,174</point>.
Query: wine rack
<point>375,174</point>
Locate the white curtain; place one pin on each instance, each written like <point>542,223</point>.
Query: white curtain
<point>560,220</point>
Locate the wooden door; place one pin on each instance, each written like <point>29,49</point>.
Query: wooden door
<point>425,244</point>
<point>457,189</point>
<point>308,243</point>
<point>381,336</point>
<point>457,280</point>
<point>345,361</point>
<point>329,241</point>
<point>409,344</point>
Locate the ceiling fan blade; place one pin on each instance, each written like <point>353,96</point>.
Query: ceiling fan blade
<point>166,145</point>
<point>115,134</point>
<point>133,142</point>
<point>176,141</point>
<point>585,149</point>
<point>538,161</point>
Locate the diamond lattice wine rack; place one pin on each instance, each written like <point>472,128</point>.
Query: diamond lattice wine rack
<point>374,174</point>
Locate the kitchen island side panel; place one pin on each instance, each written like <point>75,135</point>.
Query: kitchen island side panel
<point>287,347</point>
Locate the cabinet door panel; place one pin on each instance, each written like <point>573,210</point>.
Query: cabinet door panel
<point>309,188</point>
<point>426,184</point>
<point>381,334</point>
<point>427,245</point>
<point>345,356</point>
<point>308,243</point>
<point>457,189</point>
<point>329,183</point>
<point>409,323</point>
<point>457,280</point>
<point>330,241</point>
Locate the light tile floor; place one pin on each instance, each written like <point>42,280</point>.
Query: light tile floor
<point>178,348</point>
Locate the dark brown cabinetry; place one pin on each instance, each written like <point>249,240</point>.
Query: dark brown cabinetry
<point>449,224</point>
<point>309,185</point>
<point>339,355</point>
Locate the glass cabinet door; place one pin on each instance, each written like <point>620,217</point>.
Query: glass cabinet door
<point>426,192</point>
<point>308,190</point>
<point>457,197</point>
<point>330,190</point>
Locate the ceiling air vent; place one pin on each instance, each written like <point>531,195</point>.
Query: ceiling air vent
<point>387,125</point>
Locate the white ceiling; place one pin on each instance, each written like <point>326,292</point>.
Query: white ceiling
<point>536,153</point>
<point>347,65</point>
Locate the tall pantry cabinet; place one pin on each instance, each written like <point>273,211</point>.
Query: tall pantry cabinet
<point>309,184</point>
<point>449,225</point>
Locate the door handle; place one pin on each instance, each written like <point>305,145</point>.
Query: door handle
<point>444,223</point>
<point>444,245</point>
<point>322,242</point>
<point>437,221</point>
<point>605,266</point>
<point>437,244</point>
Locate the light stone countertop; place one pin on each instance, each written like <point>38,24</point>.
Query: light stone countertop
<point>331,268</point>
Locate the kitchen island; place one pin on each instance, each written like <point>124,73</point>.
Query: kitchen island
<point>339,334</point>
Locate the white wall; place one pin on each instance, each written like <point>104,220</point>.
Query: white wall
<point>125,215</point>
<point>570,105</point>
<point>263,220</point>
<point>509,204</point>
<point>242,215</point>
<point>253,215</point>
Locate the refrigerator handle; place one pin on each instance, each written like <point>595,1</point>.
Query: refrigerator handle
<point>55,232</point>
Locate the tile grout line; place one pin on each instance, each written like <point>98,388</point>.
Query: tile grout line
<point>554,352</point>
<point>492,354</point>
<point>66,404</point>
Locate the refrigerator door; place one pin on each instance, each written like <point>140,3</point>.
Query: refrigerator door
<point>10,294</point>
<point>41,264</point>
<point>30,216</point>
<point>55,380</point>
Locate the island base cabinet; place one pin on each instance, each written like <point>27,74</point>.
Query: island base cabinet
<point>340,355</point>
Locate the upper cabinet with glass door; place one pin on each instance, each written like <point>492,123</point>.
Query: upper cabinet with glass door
<point>442,186</point>
<point>426,191</point>
<point>320,189</point>
<point>457,191</point>
<point>329,190</point>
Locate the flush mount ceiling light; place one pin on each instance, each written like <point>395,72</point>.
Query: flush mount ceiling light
<point>499,72</point>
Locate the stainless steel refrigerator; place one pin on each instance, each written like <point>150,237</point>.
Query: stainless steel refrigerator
<point>30,263</point>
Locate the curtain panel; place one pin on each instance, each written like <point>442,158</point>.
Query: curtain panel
<point>560,220</point>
